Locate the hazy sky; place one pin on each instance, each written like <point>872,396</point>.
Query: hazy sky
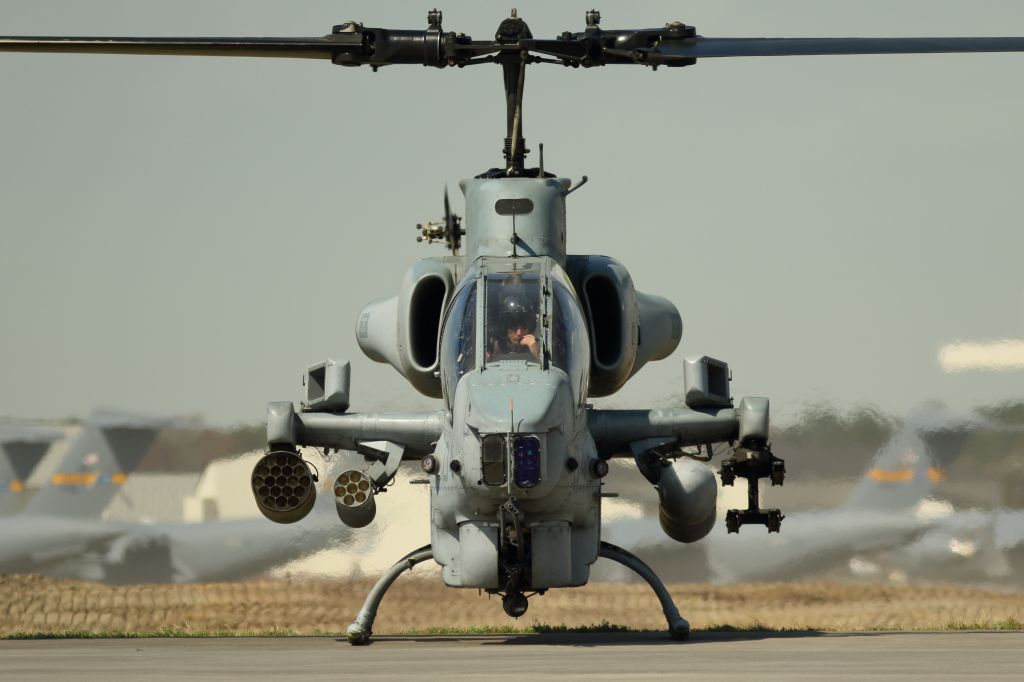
<point>185,235</point>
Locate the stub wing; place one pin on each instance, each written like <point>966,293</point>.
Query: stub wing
<point>417,431</point>
<point>656,439</point>
<point>616,433</point>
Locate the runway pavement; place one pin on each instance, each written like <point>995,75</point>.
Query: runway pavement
<point>707,656</point>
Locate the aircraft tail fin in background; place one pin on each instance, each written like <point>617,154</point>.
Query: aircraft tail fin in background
<point>909,467</point>
<point>21,450</point>
<point>107,449</point>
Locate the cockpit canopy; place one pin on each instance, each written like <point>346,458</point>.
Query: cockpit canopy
<point>513,318</point>
<point>529,314</point>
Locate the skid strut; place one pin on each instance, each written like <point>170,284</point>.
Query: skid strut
<point>753,464</point>
<point>361,629</point>
<point>678,627</point>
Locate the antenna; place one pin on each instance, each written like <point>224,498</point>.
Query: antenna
<point>575,187</point>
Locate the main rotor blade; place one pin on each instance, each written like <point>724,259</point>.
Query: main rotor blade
<point>301,48</point>
<point>379,47</point>
<point>784,47</point>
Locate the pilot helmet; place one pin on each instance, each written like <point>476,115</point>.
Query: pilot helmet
<point>517,311</point>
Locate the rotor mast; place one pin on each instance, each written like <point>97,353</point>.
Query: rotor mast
<point>512,31</point>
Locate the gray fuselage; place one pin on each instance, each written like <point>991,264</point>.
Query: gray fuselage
<point>516,500</point>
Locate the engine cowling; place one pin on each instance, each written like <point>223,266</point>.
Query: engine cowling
<point>661,329</point>
<point>687,491</point>
<point>403,330</point>
<point>627,328</point>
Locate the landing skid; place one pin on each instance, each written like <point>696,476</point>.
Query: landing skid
<point>360,630</point>
<point>678,627</point>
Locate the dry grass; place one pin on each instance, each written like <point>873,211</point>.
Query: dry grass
<point>30,604</point>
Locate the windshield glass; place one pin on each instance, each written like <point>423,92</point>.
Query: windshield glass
<point>570,345</point>
<point>513,314</point>
<point>458,339</point>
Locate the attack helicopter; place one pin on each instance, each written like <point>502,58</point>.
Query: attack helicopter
<point>513,334</point>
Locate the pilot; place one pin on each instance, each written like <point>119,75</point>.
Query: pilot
<point>517,338</point>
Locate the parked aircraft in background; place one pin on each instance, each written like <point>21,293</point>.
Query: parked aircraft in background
<point>61,521</point>
<point>975,546</point>
<point>212,551</point>
<point>60,532</point>
<point>968,545</point>
<point>21,450</point>
<point>109,447</point>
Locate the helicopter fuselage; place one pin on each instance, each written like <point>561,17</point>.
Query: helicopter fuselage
<point>515,503</point>
<point>514,337</point>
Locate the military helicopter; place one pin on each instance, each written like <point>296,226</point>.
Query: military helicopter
<point>514,335</point>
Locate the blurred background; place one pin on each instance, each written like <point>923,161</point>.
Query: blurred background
<point>925,497</point>
<point>184,236</point>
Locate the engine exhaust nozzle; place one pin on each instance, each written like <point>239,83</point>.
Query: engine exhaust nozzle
<point>283,486</point>
<point>353,498</point>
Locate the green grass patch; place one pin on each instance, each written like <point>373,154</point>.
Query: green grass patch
<point>535,629</point>
<point>603,626</point>
<point>753,627</point>
<point>464,630</point>
<point>1008,624</point>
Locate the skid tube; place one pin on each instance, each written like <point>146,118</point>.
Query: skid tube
<point>361,629</point>
<point>678,627</point>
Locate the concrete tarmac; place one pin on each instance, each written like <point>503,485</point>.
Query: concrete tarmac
<point>647,656</point>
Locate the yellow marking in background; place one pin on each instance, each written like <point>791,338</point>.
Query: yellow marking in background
<point>936,475</point>
<point>74,479</point>
<point>85,479</point>
<point>16,487</point>
<point>892,475</point>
